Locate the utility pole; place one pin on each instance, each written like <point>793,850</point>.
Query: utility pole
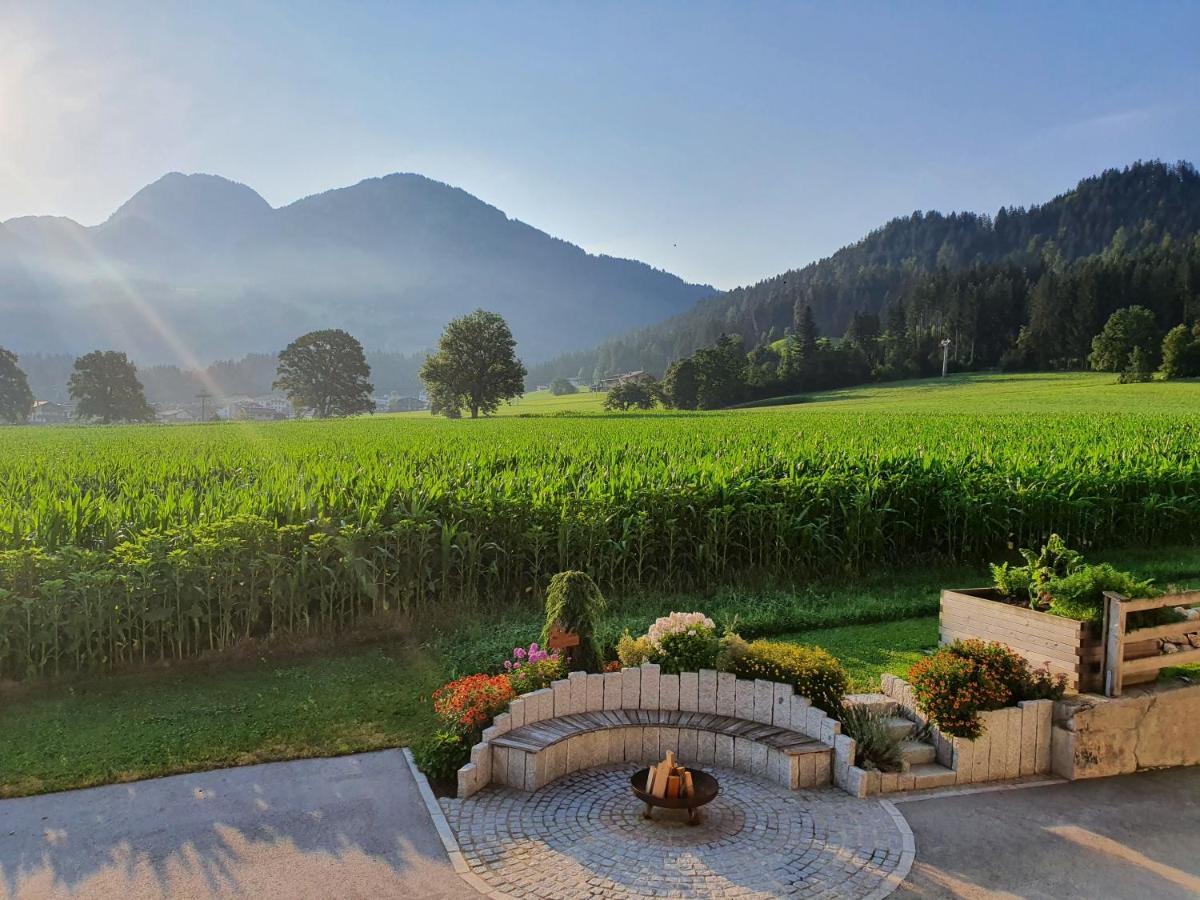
<point>945,355</point>
<point>204,397</point>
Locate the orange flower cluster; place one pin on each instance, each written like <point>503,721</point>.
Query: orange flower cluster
<point>962,680</point>
<point>469,704</point>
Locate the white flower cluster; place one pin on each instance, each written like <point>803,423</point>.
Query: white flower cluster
<point>677,623</point>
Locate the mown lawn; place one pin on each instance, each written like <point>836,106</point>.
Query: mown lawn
<point>237,711</point>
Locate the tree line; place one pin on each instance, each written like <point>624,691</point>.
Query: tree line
<point>1131,342</point>
<point>323,374</point>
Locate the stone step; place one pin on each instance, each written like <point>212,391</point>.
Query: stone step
<point>931,775</point>
<point>916,753</point>
<point>880,703</point>
<point>921,777</point>
<point>899,727</point>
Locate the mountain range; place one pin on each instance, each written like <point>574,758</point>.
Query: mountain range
<point>196,267</point>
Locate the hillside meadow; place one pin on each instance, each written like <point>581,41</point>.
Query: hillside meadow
<point>130,544</point>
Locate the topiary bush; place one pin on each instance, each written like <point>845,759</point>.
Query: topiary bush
<point>813,672</point>
<point>574,604</point>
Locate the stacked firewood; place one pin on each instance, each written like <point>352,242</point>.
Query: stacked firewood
<point>669,780</point>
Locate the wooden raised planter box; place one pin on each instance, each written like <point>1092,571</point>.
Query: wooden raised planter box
<point>1064,646</point>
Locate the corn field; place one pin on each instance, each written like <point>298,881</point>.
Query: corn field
<point>124,545</point>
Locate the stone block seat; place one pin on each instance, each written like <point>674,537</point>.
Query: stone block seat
<point>636,715</point>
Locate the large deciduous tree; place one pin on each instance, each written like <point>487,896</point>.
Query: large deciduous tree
<point>16,399</point>
<point>325,372</point>
<point>106,389</point>
<point>1126,329</point>
<point>475,366</point>
<point>1181,352</point>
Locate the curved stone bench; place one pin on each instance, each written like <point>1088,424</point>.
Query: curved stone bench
<point>637,714</point>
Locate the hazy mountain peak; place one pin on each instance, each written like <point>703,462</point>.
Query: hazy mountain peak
<point>205,264</point>
<point>177,198</point>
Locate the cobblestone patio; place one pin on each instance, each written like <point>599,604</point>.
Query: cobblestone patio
<point>584,836</point>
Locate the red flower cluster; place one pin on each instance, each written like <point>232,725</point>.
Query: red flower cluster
<point>470,703</point>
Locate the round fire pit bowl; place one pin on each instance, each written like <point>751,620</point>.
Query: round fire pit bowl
<point>705,791</point>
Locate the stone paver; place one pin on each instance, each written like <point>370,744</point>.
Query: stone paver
<point>585,835</point>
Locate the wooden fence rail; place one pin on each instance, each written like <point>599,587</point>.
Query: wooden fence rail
<point>1136,656</point>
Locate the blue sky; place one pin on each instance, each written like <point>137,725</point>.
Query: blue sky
<point>724,142</point>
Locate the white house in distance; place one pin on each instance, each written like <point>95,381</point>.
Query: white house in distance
<point>47,412</point>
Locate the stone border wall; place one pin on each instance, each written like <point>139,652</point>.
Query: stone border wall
<point>1147,728</point>
<point>706,691</point>
<point>1015,743</point>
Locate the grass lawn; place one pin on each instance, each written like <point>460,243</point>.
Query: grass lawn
<point>144,724</point>
<point>1066,392</point>
<point>993,393</point>
<point>361,697</point>
<point>869,651</point>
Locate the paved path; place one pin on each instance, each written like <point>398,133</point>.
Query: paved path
<point>356,827</point>
<point>586,836</point>
<point>1135,837</point>
<point>348,827</point>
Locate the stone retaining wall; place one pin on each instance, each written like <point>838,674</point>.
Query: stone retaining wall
<point>1015,742</point>
<point>1149,727</point>
<point>645,687</point>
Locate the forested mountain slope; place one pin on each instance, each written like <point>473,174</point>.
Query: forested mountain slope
<point>1116,238</point>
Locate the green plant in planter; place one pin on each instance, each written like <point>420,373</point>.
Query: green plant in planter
<point>574,604</point>
<point>1013,582</point>
<point>1080,595</point>
<point>875,745</point>
<point>1028,582</point>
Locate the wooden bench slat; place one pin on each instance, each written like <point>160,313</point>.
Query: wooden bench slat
<point>548,732</point>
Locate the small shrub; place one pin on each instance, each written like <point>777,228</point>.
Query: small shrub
<point>688,651</point>
<point>813,672</point>
<point>1039,684</point>
<point>469,704</point>
<point>968,677</point>
<point>998,662</point>
<point>441,754</point>
<point>574,604</point>
<point>684,642</point>
<point>733,648</point>
<point>875,747</point>
<point>633,651</point>
<point>952,690</point>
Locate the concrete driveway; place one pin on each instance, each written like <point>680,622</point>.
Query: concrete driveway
<point>1134,836</point>
<point>348,827</point>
